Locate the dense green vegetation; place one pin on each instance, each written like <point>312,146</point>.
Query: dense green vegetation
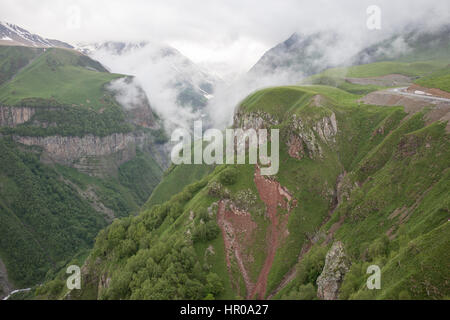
<point>66,88</point>
<point>47,214</point>
<point>43,220</point>
<point>140,175</point>
<point>155,246</point>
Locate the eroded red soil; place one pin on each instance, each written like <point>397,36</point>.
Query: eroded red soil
<point>238,231</point>
<point>237,228</point>
<point>274,196</point>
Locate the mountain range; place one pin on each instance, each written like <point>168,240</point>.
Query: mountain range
<point>362,185</point>
<point>163,70</point>
<point>11,34</point>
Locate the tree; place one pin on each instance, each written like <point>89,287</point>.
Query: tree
<point>214,285</point>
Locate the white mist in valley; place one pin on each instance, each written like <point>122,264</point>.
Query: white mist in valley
<point>163,73</point>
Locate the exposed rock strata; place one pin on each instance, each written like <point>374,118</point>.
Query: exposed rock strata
<point>336,266</point>
<point>13,116</point>
<point>90,154</point>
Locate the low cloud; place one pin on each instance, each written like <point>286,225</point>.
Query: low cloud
<point>159,70</point>
<point>127,92</point>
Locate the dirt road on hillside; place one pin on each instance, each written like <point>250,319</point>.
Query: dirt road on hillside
<point>413,101</point>
<point>406,91</point>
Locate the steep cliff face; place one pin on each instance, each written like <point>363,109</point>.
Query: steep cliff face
<point>13,116</point>
<point>306,139</point>
<point>305,136</point>
<point>90,154</point>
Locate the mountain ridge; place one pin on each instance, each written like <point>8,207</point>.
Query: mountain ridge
<point>11,34</point>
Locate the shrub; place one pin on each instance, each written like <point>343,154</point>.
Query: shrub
<point>311,266</point>
<point>379,248</point>
<point>228,177</point>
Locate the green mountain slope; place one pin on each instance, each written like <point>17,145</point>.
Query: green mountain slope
<point>43,221</point>
<point>342,78</point>
<point>62,75</point>
<point>439,79</point>
<point>72,158</point>
<point>15,58</point>
<point>372,178</point>
<point>175,179</point>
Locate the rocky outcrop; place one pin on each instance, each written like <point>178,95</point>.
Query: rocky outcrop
<point>303,138</point>
<point>93,155</point>
<point>90,154</point>
<point>254,120</point>
<point>295,147</point>
<point>13,116</point>
<point>327,128</point>
<point>336,266</point>
<point>104,283</point>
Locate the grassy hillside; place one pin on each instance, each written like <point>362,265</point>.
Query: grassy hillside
<point>66,88</point>
<point>61,75</point>
<point>13,59</point>
<point>378,182</point>
<point>377,69</point>
<point>439,79</point>
<point>337,77</point>
<point>174,180</point>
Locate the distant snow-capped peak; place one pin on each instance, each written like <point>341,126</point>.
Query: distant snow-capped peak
<point>11,34</point>
<point>179,70</point>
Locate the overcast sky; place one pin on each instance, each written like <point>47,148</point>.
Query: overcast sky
<point>226,36</point>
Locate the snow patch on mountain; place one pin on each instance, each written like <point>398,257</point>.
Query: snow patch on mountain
<point>19,36</point>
